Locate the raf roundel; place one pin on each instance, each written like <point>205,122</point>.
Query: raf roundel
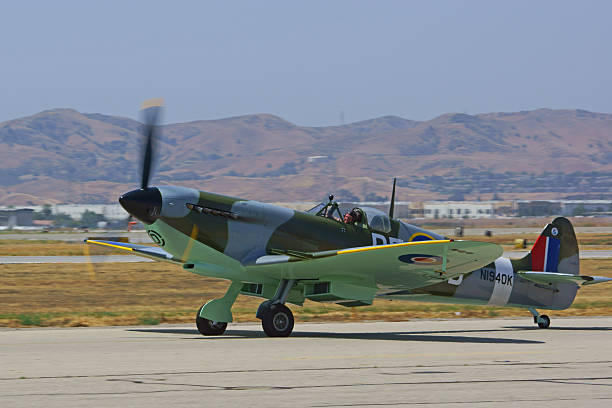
<point>156,238</point>
<point>421,259</point>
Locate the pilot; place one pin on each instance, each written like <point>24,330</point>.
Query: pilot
<point>353,217</point>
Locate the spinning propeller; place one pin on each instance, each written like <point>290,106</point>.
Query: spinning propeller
<point>151,112</point>
<point>145,203</point>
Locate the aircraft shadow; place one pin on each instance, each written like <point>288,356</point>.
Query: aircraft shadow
<point>397,336</point>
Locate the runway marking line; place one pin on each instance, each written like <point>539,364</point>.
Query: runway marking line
<point>354,357</point>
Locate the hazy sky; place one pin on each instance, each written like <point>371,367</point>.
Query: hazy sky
<point>305,61</point>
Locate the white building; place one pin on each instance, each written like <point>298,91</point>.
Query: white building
<point>458,209</point>
<point>112,212</point>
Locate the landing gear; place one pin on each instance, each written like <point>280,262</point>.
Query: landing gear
<point>542,321</point>
<point>277,321</point>
<point>208,327</point>
<point>212,318</point>
<point>276,318</point>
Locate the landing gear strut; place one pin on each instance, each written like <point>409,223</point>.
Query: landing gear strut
<point>542,321</point>
<point>276,318</point>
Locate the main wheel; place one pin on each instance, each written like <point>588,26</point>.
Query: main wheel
<point>543,322</point>
<point>277,321</point>
<point>208,327</point>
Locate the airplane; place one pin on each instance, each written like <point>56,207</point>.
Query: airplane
<point>287,256</point>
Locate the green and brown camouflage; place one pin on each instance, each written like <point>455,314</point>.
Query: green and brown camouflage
<point>519,282</point>
<point>246,230</point>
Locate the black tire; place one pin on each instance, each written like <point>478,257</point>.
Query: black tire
<point>277,321</point>
<point>543,322</point>
<point>208,327</point>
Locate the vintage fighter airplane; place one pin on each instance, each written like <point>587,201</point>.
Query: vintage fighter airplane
<point>287,256</point>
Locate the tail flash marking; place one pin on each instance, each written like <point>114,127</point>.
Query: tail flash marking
<point>552,255</point>
<point>545,254</point>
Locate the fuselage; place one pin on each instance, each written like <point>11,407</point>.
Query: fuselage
<point>247,230</point>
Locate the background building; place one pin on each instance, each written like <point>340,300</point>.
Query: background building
<point>458,209</point>
<point>12,218</point>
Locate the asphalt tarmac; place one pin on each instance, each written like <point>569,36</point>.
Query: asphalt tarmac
<point>454,363</point>
<point>134,237</point>
<point>72,259</point>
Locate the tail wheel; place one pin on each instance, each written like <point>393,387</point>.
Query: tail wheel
<point>278,321</point>
<point>208,327</point>
<point>543,322</point>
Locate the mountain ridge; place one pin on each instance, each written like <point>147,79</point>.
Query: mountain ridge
<point>62,155</point>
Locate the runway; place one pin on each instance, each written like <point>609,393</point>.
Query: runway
<point>588,254</point>
<point>135,237</point>
<point>72,259</point>
<point>454,363</point>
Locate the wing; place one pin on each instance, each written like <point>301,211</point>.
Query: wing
<point>442,259</point>
<point>352,277</point>
<point>155,253</point>
<point>554,277</point>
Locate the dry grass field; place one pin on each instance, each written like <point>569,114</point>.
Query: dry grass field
<point>9,247</point>
<point>585,241</point>
<point>151,293</point>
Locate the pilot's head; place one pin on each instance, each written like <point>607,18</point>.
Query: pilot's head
<point>353,216</point>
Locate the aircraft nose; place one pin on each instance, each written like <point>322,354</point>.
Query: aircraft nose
<point>144,204</point>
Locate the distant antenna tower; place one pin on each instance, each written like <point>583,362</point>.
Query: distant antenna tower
<point>342,117</point>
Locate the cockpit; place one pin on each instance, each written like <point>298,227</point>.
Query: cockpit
<point>365,217</point>
<point>375,220</point>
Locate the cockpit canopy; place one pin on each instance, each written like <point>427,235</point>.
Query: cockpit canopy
<point>377,220</point>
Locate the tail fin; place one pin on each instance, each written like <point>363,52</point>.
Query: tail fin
<point>555,250</point>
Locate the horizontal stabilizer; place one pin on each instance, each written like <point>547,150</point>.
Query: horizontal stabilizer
<point>555,277</point>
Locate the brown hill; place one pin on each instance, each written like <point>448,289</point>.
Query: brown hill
<point>67,156</point>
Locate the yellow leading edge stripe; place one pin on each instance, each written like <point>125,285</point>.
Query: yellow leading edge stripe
<point>109,245</point>
<point>374,248</point>
<point>344,251</point>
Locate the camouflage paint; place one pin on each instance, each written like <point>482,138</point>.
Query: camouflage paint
<point>225,237</point>
<point>478,287</point>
